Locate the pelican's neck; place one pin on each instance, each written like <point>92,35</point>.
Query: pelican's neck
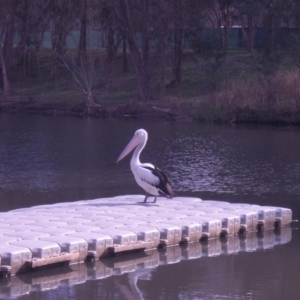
<point>135,160</point>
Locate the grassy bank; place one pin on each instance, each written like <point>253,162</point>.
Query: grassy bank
<point>236,87</point>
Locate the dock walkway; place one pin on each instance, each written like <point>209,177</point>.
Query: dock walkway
<point>76,231</point>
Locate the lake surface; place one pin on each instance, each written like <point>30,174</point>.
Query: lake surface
<point>50,159</point>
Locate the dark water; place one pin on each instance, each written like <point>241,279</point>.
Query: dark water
<point>47,159</point>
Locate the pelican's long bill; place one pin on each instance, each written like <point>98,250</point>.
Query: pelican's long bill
<point>131,145</point>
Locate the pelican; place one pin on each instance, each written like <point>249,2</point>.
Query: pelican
<point>153,180</point>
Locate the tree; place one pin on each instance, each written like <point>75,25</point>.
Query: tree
<point>113,38</point>
<point>129,13</point>
<point>221,14</point>
<point>32,19</point>
<point>249,12</point>
<point>7,31</point>
<point>65,15</point>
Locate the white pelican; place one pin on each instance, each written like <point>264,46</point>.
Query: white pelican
<point>153,180</point>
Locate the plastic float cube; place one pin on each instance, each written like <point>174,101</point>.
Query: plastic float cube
<point>169,234</point>
<point>191,231</point>
<point>5,239</point>
<point>283,216</point>
<point>24,227</point>
<point>216,202</point>
<point>77,220</point>
<point>172,215</point>
<point>230,222</point>
<point>212,209</point>
<point>184,200</point>
<point>80,227</point>
<point>39,249</point>
<point>133,222</point>
<point>192,212</point>
<point>146,234</point>
<point>248,218</point>
<point>117,215</point>
<point>211,226</point>
<point>15,257</point>
<point>46,223</point>
<point>4,231</point>
<point>108,224</point>
<point>98,243</point>
<point>150,219</point>
<point>120,237</point>
<point>54,231</point>
<point>266,215</point>
<point>70,244</point>
<point>29,235</point>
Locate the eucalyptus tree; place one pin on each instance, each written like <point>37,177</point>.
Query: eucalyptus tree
<point>133,17</point>
<point>64,16</point>
<point>7,29</point>
<point>31,22</point>
<point>113,36</point>
<point>250,15</point>
<point>222,15</point>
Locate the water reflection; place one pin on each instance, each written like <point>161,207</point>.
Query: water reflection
<point>141,267</point>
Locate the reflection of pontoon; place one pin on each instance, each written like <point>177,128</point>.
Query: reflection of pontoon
<point>72,232</point>
<point>140,265</point>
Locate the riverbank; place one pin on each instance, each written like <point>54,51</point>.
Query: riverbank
<point>156,111</point>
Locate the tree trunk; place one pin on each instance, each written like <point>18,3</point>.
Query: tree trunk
<point>9,38</point>
<point>140,59</point>
<point>110,55</point>
<point>82,37</point>
<point>178,34</point>
<point>163,68</point>
<point>249,35</point>
<point>124,55</point>
<point>6,86</point>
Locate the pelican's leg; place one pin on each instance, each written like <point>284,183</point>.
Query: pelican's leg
<point>154,199</point>
<point>146,197</point>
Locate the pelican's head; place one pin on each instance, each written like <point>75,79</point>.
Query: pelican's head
<point>140,137</point>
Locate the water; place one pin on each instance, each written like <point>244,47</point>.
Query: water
<point>49,159</point>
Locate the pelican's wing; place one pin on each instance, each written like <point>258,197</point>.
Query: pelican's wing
<point>146,174</point>
<point>158,179</point>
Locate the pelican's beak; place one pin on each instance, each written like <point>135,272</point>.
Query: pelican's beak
<point>131,145</point>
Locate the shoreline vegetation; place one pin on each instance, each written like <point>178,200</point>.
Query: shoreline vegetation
<point>156,111</point>
<point>234,89</point>
<point>197,60</point>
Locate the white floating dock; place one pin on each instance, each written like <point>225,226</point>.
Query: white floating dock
<point>138,264</point>
<point>76,231</point>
